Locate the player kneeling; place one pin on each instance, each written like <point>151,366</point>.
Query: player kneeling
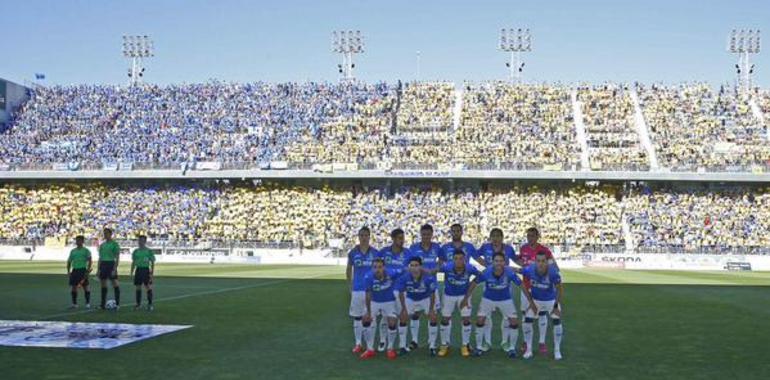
<point>497,295</point>
<point>457,280</point>
<point>547,293</point>
<point>380,302</point>
<point>417,296</point>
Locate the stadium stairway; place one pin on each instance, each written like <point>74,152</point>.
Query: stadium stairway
<point>458,108</point>
<point>757,112</point>
<point>580,130</point>
<point>627,236</point>
<point>643,131</point>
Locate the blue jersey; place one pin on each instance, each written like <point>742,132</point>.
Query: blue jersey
<point>498,288</point>
<point>419,289</point>
<point>382,289</point>
<point>396,262</point>
<point>456,284</point>
<point>486,252</point>
<point>429,256</point>
<point>362,264</point>
<point>543,286</point>
<point>448,251</point>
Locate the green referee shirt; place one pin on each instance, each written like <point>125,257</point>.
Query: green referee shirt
<point>79,258</point>
<point>109,251</point>
<point>142,257</point>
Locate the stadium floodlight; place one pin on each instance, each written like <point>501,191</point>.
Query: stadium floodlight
<point>136,48</point>
<point>515,42</point>
<point>744,42</point>
<point>347,44</point>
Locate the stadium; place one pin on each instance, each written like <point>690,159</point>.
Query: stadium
<point>258,198</point>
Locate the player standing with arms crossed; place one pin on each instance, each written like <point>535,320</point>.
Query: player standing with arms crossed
<point>547,291</point>
<point>78,269</point>
<point>360,260</point>
<point>143,268</point>
<point>109,258</point>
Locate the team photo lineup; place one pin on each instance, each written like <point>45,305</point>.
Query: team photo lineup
<point>392,288</point>
<point>356,189</point>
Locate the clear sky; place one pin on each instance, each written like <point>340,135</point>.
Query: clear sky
<point>79,41</point>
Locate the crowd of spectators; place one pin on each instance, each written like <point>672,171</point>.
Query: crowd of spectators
<point>611,134</point>
<point>519,126</point>
<point>417,125</point>
<point>693,126</point>
<point>569,216</point>
<point>216,121</point>
<point>764,106</point>
<point>692,219</point>
<point>279,214</point>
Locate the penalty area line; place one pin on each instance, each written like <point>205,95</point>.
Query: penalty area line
<point>196,294</point>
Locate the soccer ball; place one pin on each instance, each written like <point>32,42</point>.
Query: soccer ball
<point>111,305</point>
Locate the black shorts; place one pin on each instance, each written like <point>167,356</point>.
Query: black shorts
<point>78,277</point>
<point>105,270</point>
<point>142,277</point>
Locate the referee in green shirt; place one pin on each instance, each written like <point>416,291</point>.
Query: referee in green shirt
<point>143,267</point>
<point>109,258</point>
<point>78,268</point>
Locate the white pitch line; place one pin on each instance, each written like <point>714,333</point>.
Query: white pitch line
<point>189,295</point>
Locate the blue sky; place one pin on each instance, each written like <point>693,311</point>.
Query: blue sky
<point>595,41</point>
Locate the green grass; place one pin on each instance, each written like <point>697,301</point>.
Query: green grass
<point>275,322</point>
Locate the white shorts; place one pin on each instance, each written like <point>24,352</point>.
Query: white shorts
<point>452,302</point>
<point>417,306</point>
<point>357,304</point>
<point>542,306</point>
<point>524,305</point>
<point>385,309</point>
<point>487,306</point>
<point>398,303</point>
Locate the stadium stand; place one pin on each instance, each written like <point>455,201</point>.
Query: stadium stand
<point>518,127</point>
<point>401,126</point>
<point>669,221</point>
<point>693,127</point>
<point>612,138</point>
<point>570,216</point>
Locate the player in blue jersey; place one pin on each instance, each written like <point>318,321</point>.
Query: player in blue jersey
<point>396,258</point>
<point>547,293</point>
<point>417,296</point>
<point>430,254</point>
<point>457,243</point>
<point>359,264</point>
<point>497,296</point>
<point>486,253</point>
<point>457,280</point>
<point>380,284</point>
<point>426,249</point>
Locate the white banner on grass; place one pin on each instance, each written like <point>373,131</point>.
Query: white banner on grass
<point>101,336</point>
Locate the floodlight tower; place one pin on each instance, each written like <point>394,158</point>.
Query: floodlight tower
<point>744,43</point>
<point>347,44</point>
<point>136,48</point>
<point>516,42</point>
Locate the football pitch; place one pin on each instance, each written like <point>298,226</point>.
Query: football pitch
<point>290,322</point>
